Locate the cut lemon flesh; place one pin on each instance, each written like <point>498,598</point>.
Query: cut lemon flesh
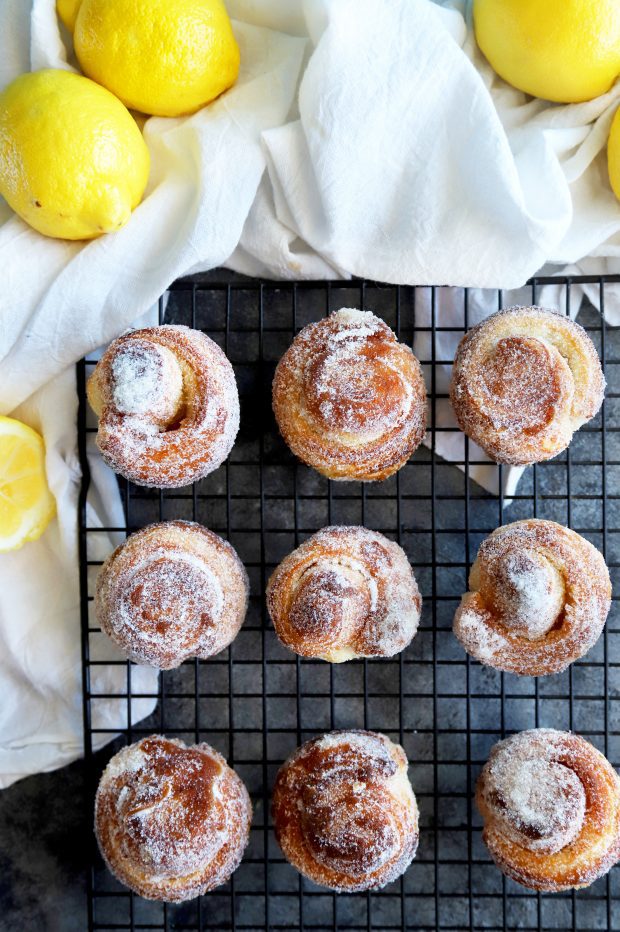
<point>26,503</point>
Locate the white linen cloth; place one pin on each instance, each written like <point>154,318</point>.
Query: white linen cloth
<point>402,158</point>
<point>40,648</point>
<point>412,162</point>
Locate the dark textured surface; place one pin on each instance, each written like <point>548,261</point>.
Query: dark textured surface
<point>45,829</point>
<point>43,843</point>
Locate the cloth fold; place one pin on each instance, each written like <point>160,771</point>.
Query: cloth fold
<point>364,137</point>
<point>204,175</point>
<point>411,161</point>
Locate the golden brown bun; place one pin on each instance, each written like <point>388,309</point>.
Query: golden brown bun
<point>173,590</point>
<point>345,592</point>
<point>523,381</point>
<point>344,812</point>
<point>550,803</point>
<point>539,596</point>
<point>172,821</point>
<point>350,399</point>
<point>167,403</point>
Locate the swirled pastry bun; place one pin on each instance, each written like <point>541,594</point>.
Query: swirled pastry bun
<point>168,406</point>
<point>346,592</point>
<point>172,821</point>
<point>172,591</point>
<point>550,804</point>
<point>539,597</point>
<point>350,399</point>
<point>523,381</point>
<point>344,812</point>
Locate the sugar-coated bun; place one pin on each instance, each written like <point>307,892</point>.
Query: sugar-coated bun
<point>523,381</point>
<point>172,821</point>
<point>350,399</point>
<point>168,406</point>
<point>344,812</point>
<point>550,804</point>
<point>346,592</point>
<point>539,597</point>
<point>172,591</point>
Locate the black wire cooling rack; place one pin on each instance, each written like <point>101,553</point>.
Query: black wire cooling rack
<point>256,702</point>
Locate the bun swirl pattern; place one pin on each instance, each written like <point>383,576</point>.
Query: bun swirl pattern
<point>173,590</point>
<point>550,803</point>
<point>172,821</point>
<point>539,597</point>
<point>345,592</point>
<point>523,381</point>
<point>167,403</point>
<point>350,399</point>
<point>344,812</point>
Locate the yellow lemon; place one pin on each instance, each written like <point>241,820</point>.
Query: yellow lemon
<point>561,50</point>
<point>158,56</point>
<point>67,11</point>
<point>613,154</point>
<point>26,504</point>
<point>73,163</point>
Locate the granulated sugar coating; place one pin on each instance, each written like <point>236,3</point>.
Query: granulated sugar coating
<point>539,597</point>
<point>523,381</point>
<point>527,590</point>
<point>551,809</point>
<point>173,590</point>
<point>171,821</point>
<point>522,384</point>
<point>345,592</point>
<point>146,381</point>
<point>168,406</point>
<point>540,803</point>
<point>344,811</point>
<point>349,398</point>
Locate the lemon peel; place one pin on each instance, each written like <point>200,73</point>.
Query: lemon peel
<point>560,50</point>
<point>73,163</point>
<point>158,57</point>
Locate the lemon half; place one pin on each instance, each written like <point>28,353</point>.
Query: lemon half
<point>26,504</point>
<point>613,154</point>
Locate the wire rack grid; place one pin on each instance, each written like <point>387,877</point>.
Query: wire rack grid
<point>256,702</point>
